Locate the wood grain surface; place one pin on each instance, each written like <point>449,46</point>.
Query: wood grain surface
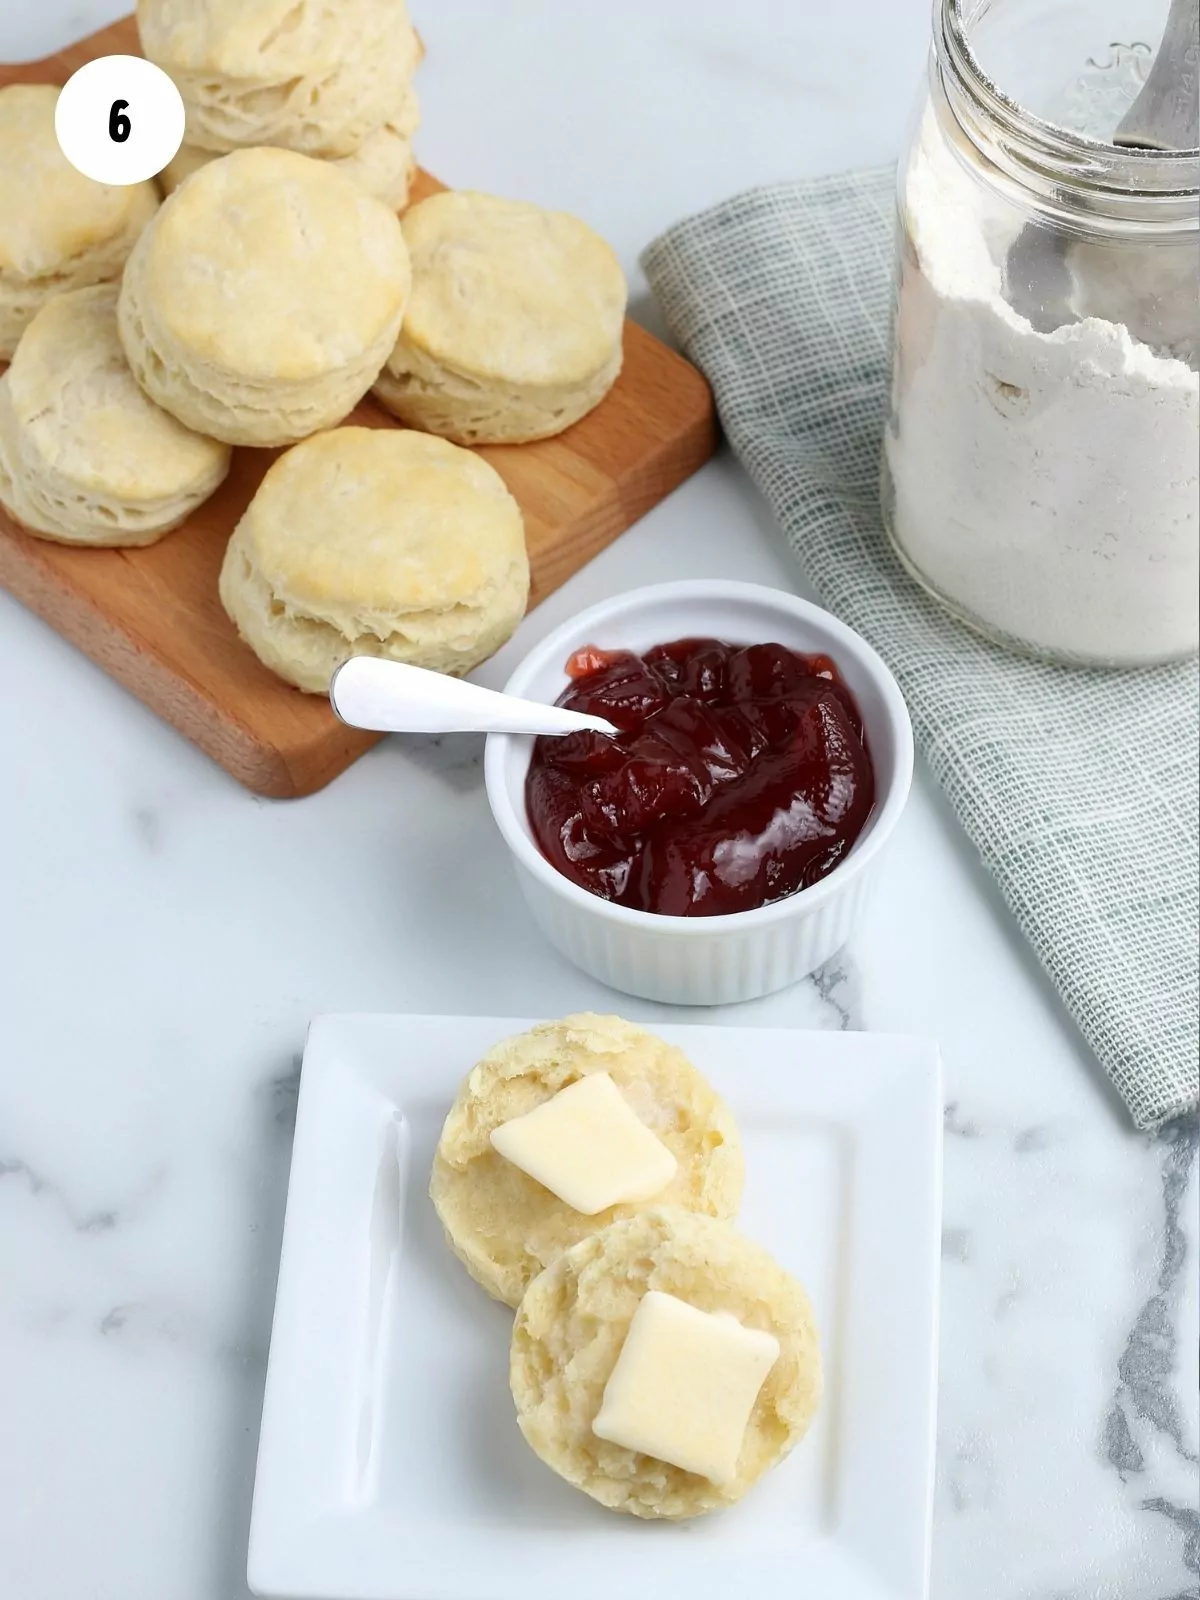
<point>151,618</point>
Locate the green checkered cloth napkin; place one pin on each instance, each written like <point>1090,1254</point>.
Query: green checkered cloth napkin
<point>1078,787</point>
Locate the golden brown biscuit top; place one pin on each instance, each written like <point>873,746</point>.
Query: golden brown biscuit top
<point>375,521</point>
<point>49,212</point>
<point>507,291</point>
<point>264,39</point>
<point>275,266</point>
<point>80,407</point>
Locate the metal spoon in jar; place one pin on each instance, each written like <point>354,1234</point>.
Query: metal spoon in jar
<point>389,697</point>
<point>1166,113</point>
<point>1038,280</point>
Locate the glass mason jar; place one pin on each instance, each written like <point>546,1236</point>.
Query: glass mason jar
<point>1040,471</point>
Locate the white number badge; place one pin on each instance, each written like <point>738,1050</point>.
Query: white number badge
<point>119,120</point>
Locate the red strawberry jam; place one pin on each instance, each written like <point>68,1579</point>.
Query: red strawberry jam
<point>739,775</point>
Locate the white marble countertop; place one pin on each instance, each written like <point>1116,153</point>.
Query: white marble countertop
<point>165,937</point>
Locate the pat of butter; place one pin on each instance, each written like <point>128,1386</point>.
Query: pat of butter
<point>586,1145</point>
<point>684,1386</point>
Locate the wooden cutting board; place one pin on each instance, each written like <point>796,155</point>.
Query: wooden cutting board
<point>151,618</point>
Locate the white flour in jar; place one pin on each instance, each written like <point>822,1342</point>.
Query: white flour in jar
<point>1046,484</point>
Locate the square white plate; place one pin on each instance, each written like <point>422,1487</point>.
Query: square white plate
<point>390,1464</point>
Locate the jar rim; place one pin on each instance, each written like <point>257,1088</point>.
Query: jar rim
<point>1045,152</point>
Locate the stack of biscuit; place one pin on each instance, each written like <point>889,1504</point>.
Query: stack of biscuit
<point>259,302</point>
<point>330,79</point>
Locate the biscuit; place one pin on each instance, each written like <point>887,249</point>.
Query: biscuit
<point>317,76</point>
<point>260,303</point>
<point>85,456</point>
<point>502,1224</point>
<point>572,1324</point>
<point>375,541</point>
<point>514,326</point>
<point>383,165</point>
<point>58,229</point>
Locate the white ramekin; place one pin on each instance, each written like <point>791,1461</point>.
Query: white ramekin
<point>704,960</point>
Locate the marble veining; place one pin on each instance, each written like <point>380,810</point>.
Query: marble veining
<point>165,939</point>
<point>1146,1413</point>
<point>41,1188</point>
<point>839,987</point>
<point>1149,1357</point>
<point>1143,1439</point>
